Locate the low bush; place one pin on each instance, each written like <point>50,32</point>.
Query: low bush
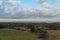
<point>17,28</point>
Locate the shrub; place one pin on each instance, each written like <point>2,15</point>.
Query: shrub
<point>23,29</point>
<point>17,28</point>
<point>32,29</point>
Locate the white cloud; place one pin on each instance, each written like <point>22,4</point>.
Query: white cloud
<point>1,3</point>
<point>39,13</point>
<point>32,10</point>
<point>40,1</point>
<point>11,8</point>
<point>45,12</point>
<point>14,2</point>
<point>46,5</point>
<point>35,13</point>
<point>58,4</point>
<point>56,11</point>
<point>55,0</point>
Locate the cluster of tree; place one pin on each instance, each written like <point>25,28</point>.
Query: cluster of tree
<point>1,26</point>
<point>29,25</point>
<point>53,27</point>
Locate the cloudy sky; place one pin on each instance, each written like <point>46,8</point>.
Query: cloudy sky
<point>30,10</point>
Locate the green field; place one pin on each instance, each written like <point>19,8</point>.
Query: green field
<point>10,34</point>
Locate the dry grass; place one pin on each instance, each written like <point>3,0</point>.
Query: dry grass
<point>54,34</point>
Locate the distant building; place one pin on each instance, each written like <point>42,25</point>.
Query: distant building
<point>38,26</point>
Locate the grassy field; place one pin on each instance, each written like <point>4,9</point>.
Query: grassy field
<point>10,34</point>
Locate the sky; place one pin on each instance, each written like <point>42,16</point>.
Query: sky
<point>30,10</point>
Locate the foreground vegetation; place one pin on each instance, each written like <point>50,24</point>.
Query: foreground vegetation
<point>10,34</point>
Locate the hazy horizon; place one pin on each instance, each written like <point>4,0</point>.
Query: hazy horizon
<point>48,20</point>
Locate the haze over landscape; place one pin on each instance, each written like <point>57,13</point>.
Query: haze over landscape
<point>30,10</point>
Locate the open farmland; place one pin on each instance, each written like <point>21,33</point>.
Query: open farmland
<point>10,34</point>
